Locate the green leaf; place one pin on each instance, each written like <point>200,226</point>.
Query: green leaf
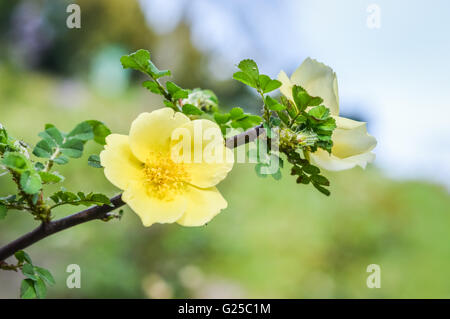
<point>82,132</point>
<point>267,84</point>
<point>61,160</point>
<point>73,148</point>
<point>43,149</point>
<point>263,80</point>
<point>52,135</point>
<point>246,121</point>
<point>94,161</point>
<point>311,169</point>
<point>319,112</point>
<point>190,109</point>
<point>152,87</point>
<point>140,61</point>
<point>221,118</point>
<point>303,179</point>
<point>137,60</point>
<point>250,68</point>
<point>321,189</point>
<point>155,72</point>
<point>15,161</point>
<point>244,78</point>
<point>175,91</point>
<point>290,107</point>
<point>321,180</point>
<point>40,288</point>
<point>296,170</point>
<point>22,256</point>
<point>273,104</point>
<point>45,275</point>
<point>3,211</point>
<point>300,119</point>
<point>315,100</point>
<point>236,113</point>
<point>301,97</point>
<point>30,182</point>
<point>65,197</point>
<point>99,199</point>
<point>50,178</point>
<point>101,131</point>
<point>27,289</point>
<point>328,125</point>
<point>28,271</point>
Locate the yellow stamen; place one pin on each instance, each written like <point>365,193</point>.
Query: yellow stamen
<point>163,177</point>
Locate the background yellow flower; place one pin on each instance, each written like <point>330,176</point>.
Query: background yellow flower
<point>352,145</point>
<point>157,188</point>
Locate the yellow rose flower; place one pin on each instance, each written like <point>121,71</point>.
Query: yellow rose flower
<point>157,187</point>
<point>352,144</point>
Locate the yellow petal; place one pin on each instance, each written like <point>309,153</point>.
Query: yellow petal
<point>205,158</point>
<point>202,206</point>
<point>318,79</point>
<point>151,132</point>
<point>329,162</point>
<point>286,85</point>
<point>350,138</point>
<point>120,165</point>
<point>151,209</point>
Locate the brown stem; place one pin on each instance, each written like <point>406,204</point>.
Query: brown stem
<point>97,212</point>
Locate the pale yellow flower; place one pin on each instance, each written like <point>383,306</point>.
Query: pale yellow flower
<point>352,144</point>
<point>157,187</point>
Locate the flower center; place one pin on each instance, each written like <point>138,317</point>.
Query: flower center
<point>163,177</point>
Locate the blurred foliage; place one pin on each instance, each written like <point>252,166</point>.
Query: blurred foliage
<point>292,242</point>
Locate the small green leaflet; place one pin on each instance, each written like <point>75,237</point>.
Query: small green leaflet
<point>16,161</point>
<point>28,271</point>
<point>59,145</point>
<point>27,290</point>
<point>140,61</point>
<point>152,87</point>
<point>69,198</point>
<point>249,75</point>
<point>175,91</point>
<point>302,99</point>
<point>40,288</point>
<point>100,130</point>
<point>190,109</point>
<point>34,286</point>
<point>82,132</point>
<point>267,84</point>
<point>22,256</point>
<point>45,275</point>
<point>94,161</point>
<point>30,182</point>
<point>50,178</point>
<point>273,104</point>
<point>319,112</point>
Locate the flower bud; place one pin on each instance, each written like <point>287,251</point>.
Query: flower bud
<point>205,100</point>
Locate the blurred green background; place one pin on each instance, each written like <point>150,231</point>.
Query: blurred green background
<point>276,239</point>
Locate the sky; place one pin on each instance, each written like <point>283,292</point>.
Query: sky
<point>395,76</point>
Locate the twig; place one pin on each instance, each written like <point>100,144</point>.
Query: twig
<point>98,212</point>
